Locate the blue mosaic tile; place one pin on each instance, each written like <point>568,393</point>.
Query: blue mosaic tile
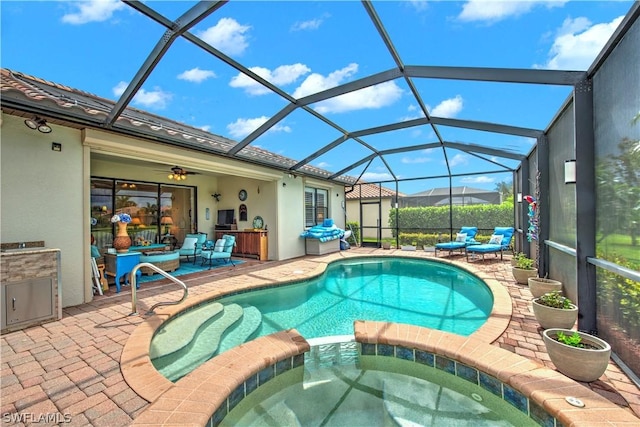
<point>425,358</point>
<point>491,384</point>
<point>468,373</point>
<point>385,350</point>
<point>445,364</point>
<point>236,396</point>
<point>539,415</point>
<point>251,383</point>
<point>265,375</point>
<point>283,366</point>
<point>516,399</point>
<point>404,353</point>
<point>368,349</point>
<point>219,415</point>
<point>298,360</point>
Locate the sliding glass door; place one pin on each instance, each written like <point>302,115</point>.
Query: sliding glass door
<point>159,212</point>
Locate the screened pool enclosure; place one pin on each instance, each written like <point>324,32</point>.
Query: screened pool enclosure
<point>573,147</point>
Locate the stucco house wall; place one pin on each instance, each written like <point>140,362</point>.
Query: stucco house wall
<point>45,194</point>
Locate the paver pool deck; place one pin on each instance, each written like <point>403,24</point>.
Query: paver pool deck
<point>68,372</point>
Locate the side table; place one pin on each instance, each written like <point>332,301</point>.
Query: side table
<point>119,266</point>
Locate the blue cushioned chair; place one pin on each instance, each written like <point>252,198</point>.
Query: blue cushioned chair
<point>459,245</point>
<point>192,245</point>
<point>218,250</point>
<point>487,248</point>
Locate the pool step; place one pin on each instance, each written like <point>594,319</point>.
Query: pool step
<point>204,344</point>
<point>241,331</point>
<point>182,330</point>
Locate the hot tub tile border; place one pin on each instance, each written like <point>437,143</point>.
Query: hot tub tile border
<point>467,373</point>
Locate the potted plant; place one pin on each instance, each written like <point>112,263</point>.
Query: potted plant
<point>523,269</point>
<point>552,310</point>
<point>578,355</point>
<point>542,285</point>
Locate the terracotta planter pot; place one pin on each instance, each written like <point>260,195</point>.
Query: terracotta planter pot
<point>540,286</point>
<point>521,275</point>
<point>580,364</point>
<point>550,317</point>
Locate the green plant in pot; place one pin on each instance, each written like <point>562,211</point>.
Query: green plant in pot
<point>578,355</point>
<point>523,269</point>
<point>552,310</point>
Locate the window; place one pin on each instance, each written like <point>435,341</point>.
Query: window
<point>155,209</point>
<point>316,207</point>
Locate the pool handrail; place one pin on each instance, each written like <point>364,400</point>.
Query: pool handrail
<point>134,297</point>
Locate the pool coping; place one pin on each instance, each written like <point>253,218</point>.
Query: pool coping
<point>148,383</point>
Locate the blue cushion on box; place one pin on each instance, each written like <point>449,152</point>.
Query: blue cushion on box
<point>95,253</point>
<point>327,222</point>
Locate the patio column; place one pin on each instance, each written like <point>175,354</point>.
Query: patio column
<point>585,205</point>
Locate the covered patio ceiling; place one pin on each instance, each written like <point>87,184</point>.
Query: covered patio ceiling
<point>331,133</point>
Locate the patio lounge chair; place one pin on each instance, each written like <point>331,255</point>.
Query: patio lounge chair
<point>192,245</point>
<point>466,236</point>
<point>500,241</point>
<point>221,249</point>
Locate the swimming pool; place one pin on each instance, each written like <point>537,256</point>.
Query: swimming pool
<point>400,290</point>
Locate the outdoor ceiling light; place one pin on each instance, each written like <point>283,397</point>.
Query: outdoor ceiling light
<point>570,171</point>
<point>38,123</point>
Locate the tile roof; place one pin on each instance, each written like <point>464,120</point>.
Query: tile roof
<point>369,191</point>
<point>62,103</point>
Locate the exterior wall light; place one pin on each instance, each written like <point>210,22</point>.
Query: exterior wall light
<point>570,171</point>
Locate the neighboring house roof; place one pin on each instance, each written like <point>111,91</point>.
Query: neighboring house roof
<point>455,191</point>
<point>460,195</point>
<point>369,191</point>
<point>23,95</point>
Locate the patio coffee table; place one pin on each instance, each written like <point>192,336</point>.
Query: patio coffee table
<point>164,260</point>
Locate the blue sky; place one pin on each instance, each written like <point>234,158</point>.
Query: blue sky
<point>306,47</point>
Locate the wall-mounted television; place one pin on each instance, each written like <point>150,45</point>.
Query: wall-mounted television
<point>225,216</point>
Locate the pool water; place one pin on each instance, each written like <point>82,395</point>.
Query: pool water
<point>372,391</point>
<point>400,290</point>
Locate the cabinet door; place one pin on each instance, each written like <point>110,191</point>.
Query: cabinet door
<point>29,300</point>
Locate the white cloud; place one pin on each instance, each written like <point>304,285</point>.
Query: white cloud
<point>243,127</point>
<point>419,5</point>
<point>477,180</point>
<point>206,128</point>
<point>312,24</point>
<point>156,98</point>
<point>316,82</point>
<point>578,43</point>
<point>414,160</point>
<point>497,10</point>
<point>196,75</point>
<point>227,36</point>
<point>92,11</point>
<point>458,159</point>
<point>281,76</point>
<point>448,108</point>
<point>323,165</point>
<point>371,97</point>
<point>376,176</point>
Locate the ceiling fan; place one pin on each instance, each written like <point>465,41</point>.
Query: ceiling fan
<point>179,174</point>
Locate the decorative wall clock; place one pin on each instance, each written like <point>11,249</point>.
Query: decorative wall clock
<point>242,195</point>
